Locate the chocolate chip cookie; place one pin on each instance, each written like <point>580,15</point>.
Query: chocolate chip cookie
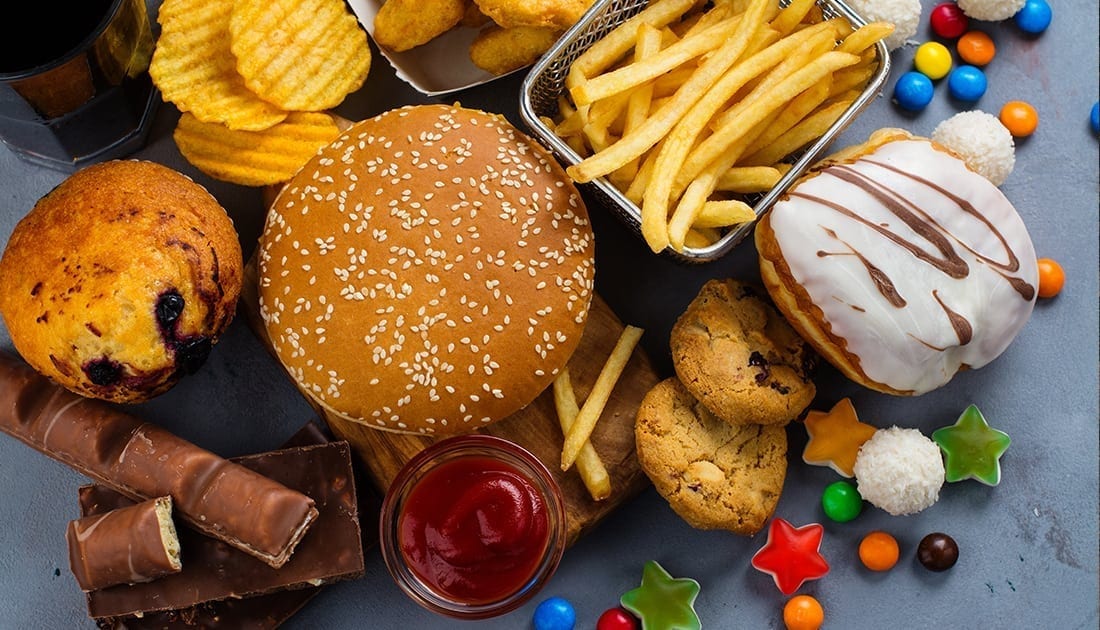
<point>714,474</point>
<point>737,355</point>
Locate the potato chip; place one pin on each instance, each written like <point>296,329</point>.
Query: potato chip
<point>254,158</point>
<point>194,69</point>
<point>303,55</point>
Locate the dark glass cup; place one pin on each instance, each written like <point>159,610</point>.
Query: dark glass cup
<point>74,81</point>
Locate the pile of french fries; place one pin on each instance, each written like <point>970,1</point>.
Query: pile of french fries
<point>687,106</point>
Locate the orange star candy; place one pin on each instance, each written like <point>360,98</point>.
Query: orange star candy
<point>835,437</point>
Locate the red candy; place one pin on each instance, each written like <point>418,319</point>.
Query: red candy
<point>616,619</point>
<point>948,20</point>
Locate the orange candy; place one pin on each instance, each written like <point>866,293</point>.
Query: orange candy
<point>1051,278</point>
<point>803,612</point>
<point>1019,118</point>
<point>878,551</point>
<point>975,47</point>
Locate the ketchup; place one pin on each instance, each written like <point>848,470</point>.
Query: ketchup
<point>475,529</point>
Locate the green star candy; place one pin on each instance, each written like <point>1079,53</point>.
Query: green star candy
<point>972,450</point>
<point>663,602</point>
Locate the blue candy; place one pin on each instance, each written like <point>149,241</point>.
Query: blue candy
<point>1094,117</point>
<point>913,91</point>
<point>555,613</point>
<point>1034,17</point>
<point>966,83</point>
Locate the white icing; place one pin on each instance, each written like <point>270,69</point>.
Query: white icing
<point>913,347</point>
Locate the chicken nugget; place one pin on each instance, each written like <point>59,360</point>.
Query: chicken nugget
<point>403,24</point>
<point>559,14</point>
<point>500,50</point>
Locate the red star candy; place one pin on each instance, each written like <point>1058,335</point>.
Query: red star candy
<point>791,555</point>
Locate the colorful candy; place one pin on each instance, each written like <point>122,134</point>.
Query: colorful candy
<point>803,612</point>
<point>841,501</point>
<point>948,21</point>
<point>878,551</point>
<point>1034,17</point>
<point>938,552</point>
<point>792,555</point>
<point>1019,118</point>
<point>555,613</point>
<point>966,83</point>
<point>900,471</point>
<point>1094,117</point>
<point>663,601</point>
<point>913,91</point>
<point>835,437</point>
<point>972,449</point>
<point>616,619</point>
<point>976,48</point>
<point>1051,278</point>
<point>933,60</point>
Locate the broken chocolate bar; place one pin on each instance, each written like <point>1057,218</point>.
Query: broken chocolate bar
<point>143,461</point>
<point>129,545</point>
<point>214,572</point>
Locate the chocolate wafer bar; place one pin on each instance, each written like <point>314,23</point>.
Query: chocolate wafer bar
<point>224,500</point>
<point>129,545</point>
<point>214,573</point>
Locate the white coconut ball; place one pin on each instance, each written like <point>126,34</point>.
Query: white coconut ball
<point>991,10</point>
<point>899,470</point>
<point>903,14</point>
<point>982,141</point>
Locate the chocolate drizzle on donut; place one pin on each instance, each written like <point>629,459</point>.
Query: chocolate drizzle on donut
<point>882,281</point>
<point>962,327</point>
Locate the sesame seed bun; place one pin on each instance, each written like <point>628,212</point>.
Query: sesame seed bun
<point>428,272</point>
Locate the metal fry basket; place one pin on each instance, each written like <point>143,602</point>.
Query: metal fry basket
<point>546,82</point>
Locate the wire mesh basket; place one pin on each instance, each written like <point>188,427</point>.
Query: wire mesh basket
<point>546,82</point>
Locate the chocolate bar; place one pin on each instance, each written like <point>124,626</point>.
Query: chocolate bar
<point>213,572</point>
<point>128,545</point>
<point>143,461</point>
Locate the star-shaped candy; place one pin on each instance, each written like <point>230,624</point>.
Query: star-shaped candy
<point>791,555</point>
<point>663,602</point>
<point>835,437</point>
<point>971,449</point>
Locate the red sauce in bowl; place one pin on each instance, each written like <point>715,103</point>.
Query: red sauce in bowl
<point>472,526</point>
<point>474,529</point>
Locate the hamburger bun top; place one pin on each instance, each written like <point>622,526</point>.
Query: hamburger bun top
<point>430,271</point>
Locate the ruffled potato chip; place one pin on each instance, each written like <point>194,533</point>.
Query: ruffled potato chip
<point>193,68</point>
<point>303,55</point>
<point>254,158</point>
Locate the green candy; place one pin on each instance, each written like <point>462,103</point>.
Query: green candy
<point>841,501</point>
<point>663,601</point>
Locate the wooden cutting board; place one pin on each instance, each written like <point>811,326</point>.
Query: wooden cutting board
<point>535,427</point>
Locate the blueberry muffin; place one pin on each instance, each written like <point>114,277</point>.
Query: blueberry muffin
<point>120,280</point>
<point>714,474</point>
<point>736,354</point>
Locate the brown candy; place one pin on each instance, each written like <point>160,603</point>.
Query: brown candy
<point>124,546</point>
<point>938,552</point>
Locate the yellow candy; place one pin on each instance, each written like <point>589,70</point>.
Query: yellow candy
<point>835,437</point>
<point>933,60</point>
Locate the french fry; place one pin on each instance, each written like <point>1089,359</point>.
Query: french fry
<point>749,179</point>
<point>698,238</point>
<point>691,46</point>
<point>799,107</point>
<point>723,213</point>
<point>641,99</point>
<point>865,36</point>
<point>792,15</point>
<point>597,399</point>
<point>610,48</point>
<point>589,465</point>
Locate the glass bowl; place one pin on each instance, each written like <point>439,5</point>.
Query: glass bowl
<point>428,497</point>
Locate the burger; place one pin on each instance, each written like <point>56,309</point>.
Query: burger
<point>430,271</point>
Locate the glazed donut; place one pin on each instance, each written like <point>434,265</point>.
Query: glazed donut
<point>899,264</point>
